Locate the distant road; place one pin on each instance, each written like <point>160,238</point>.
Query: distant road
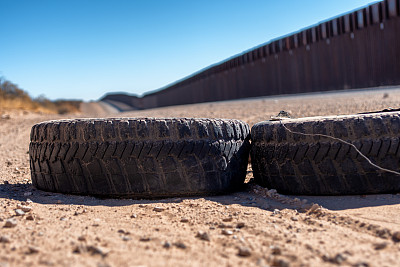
<point>111,108</point>
<point>98,109</point>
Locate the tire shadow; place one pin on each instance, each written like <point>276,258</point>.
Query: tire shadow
<point>354,201</point>
<point>247,197</point>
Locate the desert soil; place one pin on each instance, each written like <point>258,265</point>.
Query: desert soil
<point>254,227</point>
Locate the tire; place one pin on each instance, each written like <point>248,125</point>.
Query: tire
<point>313,165</point>
<point>139,158</point>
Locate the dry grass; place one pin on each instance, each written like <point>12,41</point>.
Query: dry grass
<point>12,97</point>
<point>51,107</point>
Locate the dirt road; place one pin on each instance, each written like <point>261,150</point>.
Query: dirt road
<point>97,109</point>
<point>254,227</point>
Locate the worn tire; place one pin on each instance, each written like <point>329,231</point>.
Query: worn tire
<point>297,164</point>
<point>139,158</point>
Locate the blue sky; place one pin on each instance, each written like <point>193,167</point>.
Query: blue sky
<point>84,49</point>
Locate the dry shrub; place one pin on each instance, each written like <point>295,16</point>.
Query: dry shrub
<point>61,106</point>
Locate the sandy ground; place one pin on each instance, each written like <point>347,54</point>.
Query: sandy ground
<point>254,227</point>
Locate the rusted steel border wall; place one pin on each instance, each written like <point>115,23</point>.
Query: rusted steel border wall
<point>357,50</point>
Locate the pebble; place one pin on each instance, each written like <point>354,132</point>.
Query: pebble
<point>222,225</point>
<point>314,208</point>
<point>10,223</point>
<point>126,238</point>
<point>339,258</point>
<point>396,236</point>
<point>275,250</point>
<point>142,206</point>
<point>33,250</point>
<point>145,239</point>
<point>5,117</point>
<point>276,212</point>
<point>184,220</point>
<point>27,194</point>
<point>82,238</point>
<point>228,219</point>
<point>30,217</point>
<point>383,233</point>
<point>294,219</point>
<point>166,244</point>
<point>97,250</point>
<point>24,208</point>
<point>240,225</point>
<point>379,246</point>
<point>280,263</point>
<point>271,193</point>
<point>244,252</point>
<point>91,249</point>
<point>19,212</point>
<point>134,216</point>
<point>96,222</point>
<point>180,245</point>
<point>361,264</point>
<point>159,209</point>
<point>4,239</point>
<point>203,235</point>
<point>226,232</point>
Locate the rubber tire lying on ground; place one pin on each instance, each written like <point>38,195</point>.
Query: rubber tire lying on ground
<point>297,164</point>
<point>139,158</point>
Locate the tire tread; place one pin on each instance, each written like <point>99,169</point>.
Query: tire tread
<point>325,166</point>
<point>138,158</point>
